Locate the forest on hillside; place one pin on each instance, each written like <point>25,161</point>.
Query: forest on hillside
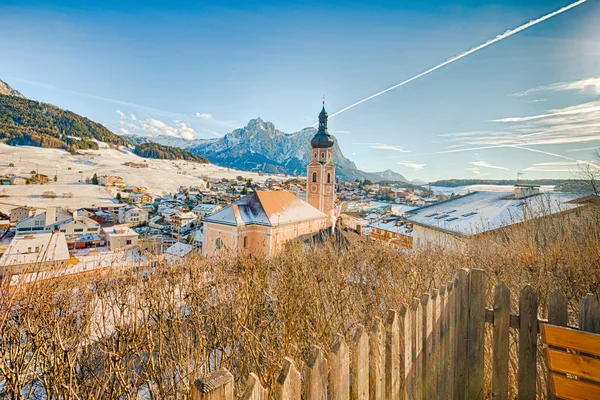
<point>161,152</point>
<point>25,122</point>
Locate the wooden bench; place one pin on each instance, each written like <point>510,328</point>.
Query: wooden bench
<point>573,360</point>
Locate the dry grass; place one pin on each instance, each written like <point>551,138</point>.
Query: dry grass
<point>156,331</point>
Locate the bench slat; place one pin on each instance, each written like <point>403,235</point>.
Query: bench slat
<point>567,388</point>
<point>573,364</point>
<point>572,339</point>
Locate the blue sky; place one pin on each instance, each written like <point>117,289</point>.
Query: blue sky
<point>529,103</point>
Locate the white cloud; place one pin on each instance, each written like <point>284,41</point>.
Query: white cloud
<point>121,114</point>
<point>485,164</point>
<point>410,164</point>
<point>474,170</point>
<point>204,115</point>
<point>155,127</point>
<point>591,85</point>
<point>132,117</point>
<point>580,109</point>
<point>559,166</point>
<point>383,146</point>
<point>186,131</point>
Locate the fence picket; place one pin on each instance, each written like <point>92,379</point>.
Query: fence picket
<point>315,375</point>
<point>402,318</point>
<point>426,374</point>
<point>528,330</point>
<point>377,360</point>
<point>476,334</point>
<point>254,390</point>
<point>288,383</point>
<point>451,334</point>
<point>408,353</point>
<point>217,385</point>
<point>392,355</point>
<point>589,314</point>
<point>461,338</point>
<point>359,365</point>
<point>557,315</point>
<point>435,344</point>
<point>418,350</point>
<point>500,342</point>
<point>339,369</point>
<point>443,340</point>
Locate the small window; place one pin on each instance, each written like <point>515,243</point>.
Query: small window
<point>219,244</point>
<point>78,230</point>
<point>329,178</point>
<point>322,155</point>
<point>128,241</point>
<point>315,154</point>
<point>314,178</point>
<point>245,241</point>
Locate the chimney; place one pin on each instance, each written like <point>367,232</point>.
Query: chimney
<point>50,216</point>
<point>75,214</point>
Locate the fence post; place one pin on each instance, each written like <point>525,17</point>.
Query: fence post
<point>392,355</point>
<point>217,385</point>
<point>557,315</point>
<point>402,318</point>
<point>528,330</point>
<point>435,363</point>
<point>451,339</point>
<point>359,365</point>
<point>254,390</point>
<point>288,384</point>
<point>315,375</point>
<point>589,314</point>
<point>339,369</point>
<point>417,349</point>
<point>443,340</point>
<point>461,298</point>
<point>476,334</point>
<point>377,360</point>
<point>500,351</point>
<point>426,374</point>
<point>408,354</point>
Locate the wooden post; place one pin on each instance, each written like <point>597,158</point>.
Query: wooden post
<point>288,386</point>
<point>377,360</point>
<point>461,339</point>
<point>440,355</point>
<point>402,351</point>
<point>500,342</point>
<point>426,374</point>
<point>392,355</point>
<point>528,330</point>
<point>254,390</point>
<point>408,354</point>
<point>418,350</point>
<point>476,334</point>
<point>557,315</point>
<point>339,369</point>
<point>315,375</point>
<point>589,314</point>
<point>359,365</point>
<point>217,385</point>
<point>450,343</point>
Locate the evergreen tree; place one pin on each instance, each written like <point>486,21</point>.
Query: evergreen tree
<point>95,179</point>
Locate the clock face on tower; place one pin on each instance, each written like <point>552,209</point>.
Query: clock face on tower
<point>328,189</point>
<point>313,188</point>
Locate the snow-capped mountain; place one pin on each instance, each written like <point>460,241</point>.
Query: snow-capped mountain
<point>260,146</point>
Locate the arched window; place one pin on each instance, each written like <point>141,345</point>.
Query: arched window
<point>219,244</point>
<point>314,179</point>
<point>329,177</point>
<point>322,155</point>
<point>315,154</point>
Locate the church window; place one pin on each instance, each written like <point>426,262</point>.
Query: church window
<point>219,244</point>
<point>245,241</point>
<point>322,155</point>
<point>314,178</point>
<point>329,178</point>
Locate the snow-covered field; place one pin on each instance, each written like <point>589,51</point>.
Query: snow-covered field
<point>161,176</point>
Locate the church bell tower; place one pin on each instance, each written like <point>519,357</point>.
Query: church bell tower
<point>320,179</point>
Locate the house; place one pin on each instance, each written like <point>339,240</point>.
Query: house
<point>78,225</point>
<point>20,213</point>
<point>392,229</point>
<point>260,223</point>
<point>111,180</point>
<point>141,198</point>
<point>451,222</point>
<point>48,221</point>
<point>120,237</point>
<point>355,221</point>
<point>178,251</point>
<point>132,215</point>
<point>18,180</point>
<point>35,252</point>
<point>180,220</point>
<point>204,209</point>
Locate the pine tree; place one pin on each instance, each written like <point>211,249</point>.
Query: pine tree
<point>95,179</point>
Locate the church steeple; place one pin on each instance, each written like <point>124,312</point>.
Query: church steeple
<point>322,139</point>
<point>320,179</point>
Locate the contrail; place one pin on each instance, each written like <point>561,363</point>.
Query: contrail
<point>498,38</point>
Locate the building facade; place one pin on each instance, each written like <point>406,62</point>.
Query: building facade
<point>320,179</point>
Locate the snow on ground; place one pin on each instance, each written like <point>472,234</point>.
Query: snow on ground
<point>161,175</point>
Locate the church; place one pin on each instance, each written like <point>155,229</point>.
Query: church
<point>262,222</point>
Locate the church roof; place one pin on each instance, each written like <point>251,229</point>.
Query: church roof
<point>266,208</point>
<point>322,138</point>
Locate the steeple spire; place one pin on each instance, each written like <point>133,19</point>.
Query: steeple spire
<point>322,138</point>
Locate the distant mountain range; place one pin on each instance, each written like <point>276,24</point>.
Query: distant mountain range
<point>260,146</point>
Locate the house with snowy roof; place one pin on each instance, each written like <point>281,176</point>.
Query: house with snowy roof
<point>35,253</point>
<point>262,222</point>
<point>450,223</point>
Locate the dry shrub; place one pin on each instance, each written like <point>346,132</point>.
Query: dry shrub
<point>153,331</point>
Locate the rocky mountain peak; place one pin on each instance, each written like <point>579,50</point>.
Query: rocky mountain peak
<point>6,90</point>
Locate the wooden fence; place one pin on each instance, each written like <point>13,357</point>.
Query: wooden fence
<point>432,348</point>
